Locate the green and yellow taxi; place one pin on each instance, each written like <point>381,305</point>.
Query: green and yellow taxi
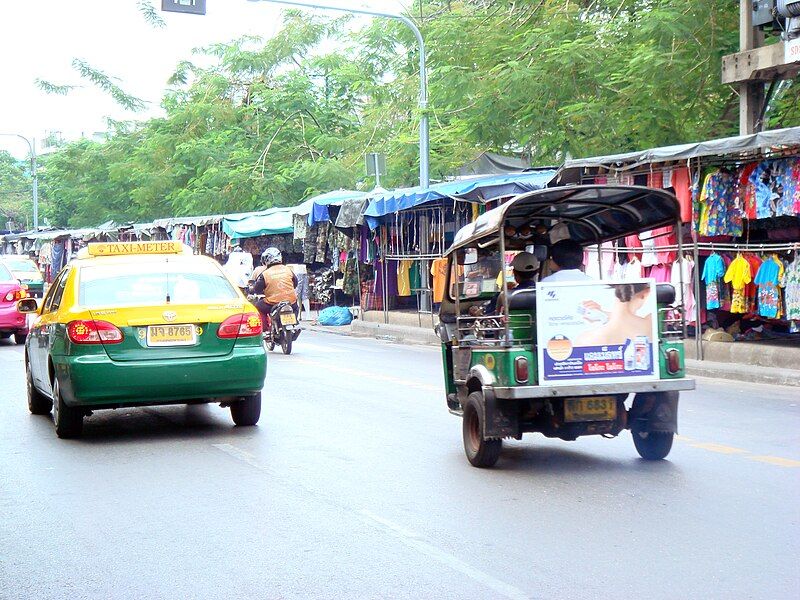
<point>142,324</point>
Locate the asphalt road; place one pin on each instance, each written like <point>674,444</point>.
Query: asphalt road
<point>354,485</point>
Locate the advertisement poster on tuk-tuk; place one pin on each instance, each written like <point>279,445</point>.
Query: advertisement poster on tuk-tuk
<point>597,331</point>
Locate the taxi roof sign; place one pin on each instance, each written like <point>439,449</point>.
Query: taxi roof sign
<point>133,248</point>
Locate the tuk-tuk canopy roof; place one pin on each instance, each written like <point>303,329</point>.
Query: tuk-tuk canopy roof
<point>592,214</point>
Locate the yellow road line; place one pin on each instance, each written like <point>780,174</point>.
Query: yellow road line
<point>776,460</point>
<point>719,448</point>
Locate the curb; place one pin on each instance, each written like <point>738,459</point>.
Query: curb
<point>742,372</point>
<point>749,373</point>
<point>395,333</point>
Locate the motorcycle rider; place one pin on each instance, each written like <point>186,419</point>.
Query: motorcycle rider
<point>275,281</point>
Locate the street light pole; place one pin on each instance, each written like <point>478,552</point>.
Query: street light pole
<point>32,148</point>
<point>424,145</point>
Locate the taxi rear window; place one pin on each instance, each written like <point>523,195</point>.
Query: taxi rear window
<point>20,264</point>
<point>153,283</point>
<point>5,274</point>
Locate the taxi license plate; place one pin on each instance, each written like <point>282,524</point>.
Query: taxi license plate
<point>171,335</point>
<point>288,319</point>
<point>598,408</point>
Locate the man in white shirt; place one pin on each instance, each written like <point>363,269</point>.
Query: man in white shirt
<point>566,262</point>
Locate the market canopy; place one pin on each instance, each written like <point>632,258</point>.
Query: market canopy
<point>273,221</point>
<point>478,189</point>
<point>320,204</point>
<point>591,214</point>
<point>742,144</point>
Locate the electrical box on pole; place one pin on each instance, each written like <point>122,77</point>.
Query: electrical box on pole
<point>192,7</point>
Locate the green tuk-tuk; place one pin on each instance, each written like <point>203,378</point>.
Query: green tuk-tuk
<point>536,359</point>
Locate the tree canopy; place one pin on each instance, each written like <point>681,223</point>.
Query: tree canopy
<point>272,121</point>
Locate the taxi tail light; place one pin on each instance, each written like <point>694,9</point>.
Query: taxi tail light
<point>243,325</point>
<point>93,332</point>
<point>521,369</point>
<point>673,361</point>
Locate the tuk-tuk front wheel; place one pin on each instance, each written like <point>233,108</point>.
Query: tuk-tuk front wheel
<point>481,453</point>
<point>654,445</point>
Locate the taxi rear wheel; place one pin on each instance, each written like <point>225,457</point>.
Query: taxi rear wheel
<point>67,420</point>
<point>480,453</point>
<point>247,411</point>
<point>19,338</point>
<point>654,445</point>
<point>38,403</point>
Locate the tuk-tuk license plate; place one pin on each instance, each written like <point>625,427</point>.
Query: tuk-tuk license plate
<point>288,319</point>
<point>171,335</point>
<point>598,408</point>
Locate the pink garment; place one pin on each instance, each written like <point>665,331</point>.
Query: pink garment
<point>633,241</point>
<point>682,184</point>
<point>655,180</point>
<point>601,180</point>
<point>663,236</point>
<point>661,273</point>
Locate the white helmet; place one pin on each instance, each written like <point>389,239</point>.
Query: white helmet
<point>271,256</point>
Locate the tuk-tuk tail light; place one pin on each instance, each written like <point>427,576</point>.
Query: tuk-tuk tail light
<point>673,361</point>
<point>521,369</point>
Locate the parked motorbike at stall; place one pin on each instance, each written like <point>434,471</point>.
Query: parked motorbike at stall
<point>281,325</point>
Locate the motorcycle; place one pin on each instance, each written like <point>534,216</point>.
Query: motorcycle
<point>281,326</point>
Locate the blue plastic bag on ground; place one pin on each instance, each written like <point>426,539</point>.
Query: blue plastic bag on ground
<point>335,316</point>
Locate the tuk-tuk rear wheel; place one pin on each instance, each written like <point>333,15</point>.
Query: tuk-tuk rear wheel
<point>654,445</point>
<point>480,453</point>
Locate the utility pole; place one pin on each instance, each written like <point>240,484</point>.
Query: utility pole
<point>32,149</point>
<point>756,65</point>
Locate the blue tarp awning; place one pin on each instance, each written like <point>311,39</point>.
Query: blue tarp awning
<point>319,204</point>
<point>478,189</point>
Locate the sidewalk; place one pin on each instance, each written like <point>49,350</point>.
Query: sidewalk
<point>774,362</point>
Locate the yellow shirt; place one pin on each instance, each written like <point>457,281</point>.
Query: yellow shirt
<point>738,273</point>
<point>439,272</point>
<point>403,278</point>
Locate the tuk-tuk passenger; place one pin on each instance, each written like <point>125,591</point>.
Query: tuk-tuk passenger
<point>566,262</point>
<point>524,267</point>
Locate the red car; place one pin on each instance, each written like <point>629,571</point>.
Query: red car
<point>11,320</point>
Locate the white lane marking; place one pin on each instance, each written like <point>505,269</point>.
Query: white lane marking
<point>405,536</point>
<point>414,541</point>
<point>329,349</point>
<point>245,457</point>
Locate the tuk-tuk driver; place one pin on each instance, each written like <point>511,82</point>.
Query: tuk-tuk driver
<point>566,262</point>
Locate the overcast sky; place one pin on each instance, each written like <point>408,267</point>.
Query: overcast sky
<point>39,39</point>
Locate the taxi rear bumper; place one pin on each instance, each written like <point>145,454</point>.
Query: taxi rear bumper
<point>96,381</point>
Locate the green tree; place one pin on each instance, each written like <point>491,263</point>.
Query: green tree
<point>15,192</point>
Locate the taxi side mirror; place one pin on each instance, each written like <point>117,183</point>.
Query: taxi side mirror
<point>28,306</point>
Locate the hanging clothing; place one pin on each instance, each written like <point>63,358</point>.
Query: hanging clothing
<point>791,285</point>
<point>403,278</point>
<point>713,270</point>
<point>767,279</point>
<point>738,275</point>
<point>439,273</point>
<point>681,181</point>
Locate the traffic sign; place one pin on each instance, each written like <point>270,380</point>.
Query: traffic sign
<point>193,7</point>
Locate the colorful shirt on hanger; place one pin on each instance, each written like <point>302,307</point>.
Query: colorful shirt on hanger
<point>738,275</point>
<point>404,278</point>
<point>791,284</point>
<point>713,270</point>
<point>767,279</point>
